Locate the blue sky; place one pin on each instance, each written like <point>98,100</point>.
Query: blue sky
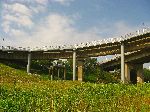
<point>69,21</point>
<point>57,22</point>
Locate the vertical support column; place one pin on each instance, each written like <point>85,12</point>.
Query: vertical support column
<point>80,70</point>
<point>140,77</point>
<point>127,73</point>
<point>29,63</point>
<point>51,72</point>
<point>64,73</point>
<point>74,65</point>
<point>122,63</point>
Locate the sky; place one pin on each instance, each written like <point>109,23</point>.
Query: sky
<point>58,22</point>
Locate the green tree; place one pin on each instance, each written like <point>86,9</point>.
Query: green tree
<point>146,75</point>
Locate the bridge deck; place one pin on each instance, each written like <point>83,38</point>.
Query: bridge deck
<point>108,47</point>
<point>139,57</point>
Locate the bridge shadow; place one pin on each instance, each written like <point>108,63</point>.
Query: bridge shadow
<point>21,65</point>
<point>133,76</point>
<point>17,64</point>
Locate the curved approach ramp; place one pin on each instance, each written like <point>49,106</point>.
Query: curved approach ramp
<point>137,57</point>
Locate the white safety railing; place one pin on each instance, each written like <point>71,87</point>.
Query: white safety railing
<point>80,45</point>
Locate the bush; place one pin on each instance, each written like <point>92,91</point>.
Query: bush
<point>146,75</point>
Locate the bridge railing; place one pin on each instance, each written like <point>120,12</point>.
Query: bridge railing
<point>81,45</point>
<point>113,40</point>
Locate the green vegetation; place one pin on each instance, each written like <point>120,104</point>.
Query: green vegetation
<point>146,75</point>
<point>91,70</point>
<point>30,92</point>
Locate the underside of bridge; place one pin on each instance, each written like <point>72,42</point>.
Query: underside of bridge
<point>133,65</point>
<point>134,73</point>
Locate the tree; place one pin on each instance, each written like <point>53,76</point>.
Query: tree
<point>146,73</point>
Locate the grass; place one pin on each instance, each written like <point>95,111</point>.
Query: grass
<point>22,92</point>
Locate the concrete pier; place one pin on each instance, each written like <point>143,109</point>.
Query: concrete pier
<point>64,73</point>
<point>127,73</point>
<point>136,76</point>
<point>122,63</point>
<point>80,70</point>
<point>74,65</point>
<point>29,63</point>
<point>51,72</point>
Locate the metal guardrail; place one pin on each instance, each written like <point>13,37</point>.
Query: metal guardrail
<point>80,45</point>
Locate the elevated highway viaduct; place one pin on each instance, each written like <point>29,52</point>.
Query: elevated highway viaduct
<point>78,52</point>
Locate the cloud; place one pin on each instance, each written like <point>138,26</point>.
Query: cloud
<point>19,20</point>
<point>119,28</point>
<point>42,2</point>
<point>18,8</point>
<point>17,33</point>
<point>52,29</point>
<point>57,29</point>
<point>16,15</point>
<point>122,27</point>
<point>63,2</point>
<point>6,26</point>
<point>38,9</point>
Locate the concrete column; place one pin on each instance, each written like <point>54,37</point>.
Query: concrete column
<point>74,65</point>
<point>140,77</point>
<point>80,70</point>
<point>51,73</point>
<point>127,73</point>
<point>64,73</point>
<point>29,63</point>
<point>122,63</point>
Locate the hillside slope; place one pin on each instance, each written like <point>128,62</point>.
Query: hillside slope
<point>23,92</point>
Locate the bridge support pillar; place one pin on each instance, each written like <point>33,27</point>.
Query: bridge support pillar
<point>80,70</point>
<point>64,73</point>
<point>51,72</point>
<point>134,73</point>
<point>122,63</point>
<point>29,63</point>
<point>127,73</point>
<point>74,65</point>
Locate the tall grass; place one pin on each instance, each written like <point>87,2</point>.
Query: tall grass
<point>22,92</point>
